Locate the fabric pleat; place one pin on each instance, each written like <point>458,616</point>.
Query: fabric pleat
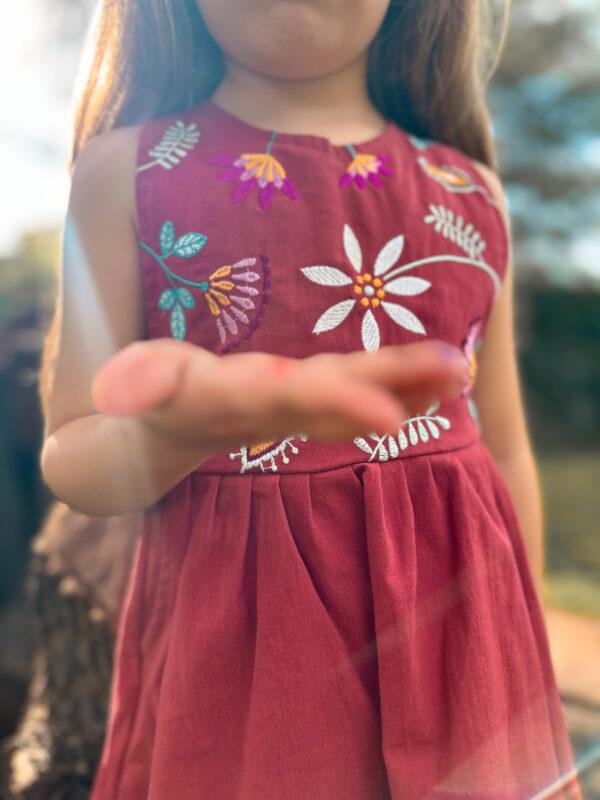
<point>367,632</point>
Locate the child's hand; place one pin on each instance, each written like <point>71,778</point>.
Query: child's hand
<point>194,397</point>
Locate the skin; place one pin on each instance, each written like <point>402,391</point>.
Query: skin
<point>298,66</point>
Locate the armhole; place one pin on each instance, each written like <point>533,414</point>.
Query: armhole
<point>505,227</point>
<point>140,217</point>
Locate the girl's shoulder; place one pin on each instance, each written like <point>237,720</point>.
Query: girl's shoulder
<point>106,168</point>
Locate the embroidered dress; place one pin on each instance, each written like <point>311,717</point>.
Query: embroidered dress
<point>312,621</point>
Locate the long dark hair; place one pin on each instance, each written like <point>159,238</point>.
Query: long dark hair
<point>428,68</point>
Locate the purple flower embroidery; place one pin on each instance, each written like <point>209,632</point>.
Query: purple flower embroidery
<point>252,169</point>
<point>365,166</point>
<point>468,348</point>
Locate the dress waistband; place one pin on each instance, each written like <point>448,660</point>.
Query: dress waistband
<point>442,428</point>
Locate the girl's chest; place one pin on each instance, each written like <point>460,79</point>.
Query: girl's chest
<point>309,259</point>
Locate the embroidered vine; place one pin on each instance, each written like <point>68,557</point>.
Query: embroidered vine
<point>228,291</point>
<point>465,237</point>
<point>177,140</point>
<point>363,167</point>
<point>255,169</point>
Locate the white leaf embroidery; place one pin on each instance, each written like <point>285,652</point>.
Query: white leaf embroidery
<point>402,316</point>
<point>466,237</point>
<point>370,331</point>
<point>364,446</point>
<point>407,286</point>
<point>388,255</point>
<point>352,248</point>
<point>331,318</point>
<point>176,141</point>
<point>326,276</point>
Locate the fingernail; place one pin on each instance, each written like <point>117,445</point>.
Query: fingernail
<point>450,354</point>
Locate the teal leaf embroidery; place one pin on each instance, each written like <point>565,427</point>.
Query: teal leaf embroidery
<point>177,140</point>
<point>177,298</point>
<point>178,322</point>
<point>186,298</point>
<point>189,244</point>
<point>167,238</point>
<point>167,299</point>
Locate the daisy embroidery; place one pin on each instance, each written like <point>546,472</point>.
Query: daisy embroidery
<point>363,167</point>
<point>376,292</point>
<point>255,169</point>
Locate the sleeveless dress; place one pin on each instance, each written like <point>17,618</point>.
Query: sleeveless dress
<point>313,621</point>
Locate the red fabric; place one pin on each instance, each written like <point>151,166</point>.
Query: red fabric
<point>308,621</point>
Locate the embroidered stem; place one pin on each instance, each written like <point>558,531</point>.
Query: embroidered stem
<point>481,264</point>
<point>352,151</point>
<point>203,285</point>
<point>268,150</point>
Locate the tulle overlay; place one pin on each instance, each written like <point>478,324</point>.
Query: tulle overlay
<point>370,631</point>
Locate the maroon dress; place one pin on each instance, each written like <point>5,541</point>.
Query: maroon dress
<point>313,621</point>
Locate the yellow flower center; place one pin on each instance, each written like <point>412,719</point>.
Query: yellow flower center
<point>370,288</point>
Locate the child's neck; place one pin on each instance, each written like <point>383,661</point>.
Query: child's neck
<point>336,106</point>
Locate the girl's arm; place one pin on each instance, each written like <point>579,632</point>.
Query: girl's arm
<point>96,464</point>
<point>497,395</point>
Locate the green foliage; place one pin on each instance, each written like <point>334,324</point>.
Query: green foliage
<point>28,279</point>
<point>560,366</point>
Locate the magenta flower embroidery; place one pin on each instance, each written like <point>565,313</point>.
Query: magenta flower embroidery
<point>255,169</point>
<point>363,167</point>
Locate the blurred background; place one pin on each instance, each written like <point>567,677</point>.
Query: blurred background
<point>545,101</point>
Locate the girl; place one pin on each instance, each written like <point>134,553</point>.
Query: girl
<point>280,213</point>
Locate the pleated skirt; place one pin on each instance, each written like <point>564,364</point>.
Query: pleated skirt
<point>361,633</point>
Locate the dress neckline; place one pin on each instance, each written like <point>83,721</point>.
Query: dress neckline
<point>302,139</point>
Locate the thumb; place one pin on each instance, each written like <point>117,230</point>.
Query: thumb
<point>141,377</point>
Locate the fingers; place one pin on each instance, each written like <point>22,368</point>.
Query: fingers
<point>143,376</point>
<point>419,369</point>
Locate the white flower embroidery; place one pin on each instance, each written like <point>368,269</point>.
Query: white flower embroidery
<point>370,290</point>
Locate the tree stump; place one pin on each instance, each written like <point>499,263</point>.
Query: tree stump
<point>77,578</point>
